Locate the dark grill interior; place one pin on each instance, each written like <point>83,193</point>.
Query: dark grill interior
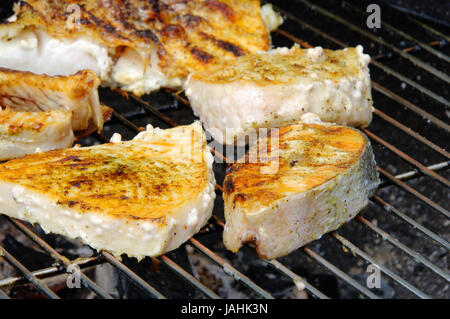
<point>403,230</point>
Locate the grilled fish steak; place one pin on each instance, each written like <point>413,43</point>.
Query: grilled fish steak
<point>141,198</point>
<point>275,88</point>
<point>136,45</point>
<point>323,178</point>
<point>23,133</point>
<point>78,93</point>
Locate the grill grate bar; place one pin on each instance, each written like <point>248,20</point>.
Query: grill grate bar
<point>412,133</point>
<point>389,273</point>
<point>64,261</point>
<point>423,65</point>
<point>27,274</point>
<point>377,64</point>
<point>131,275</point>
<point>405,249</point>
<point>298,281</point>
<point>296,278</point>
<point>153,110</point>
<point>189,278</point>
<point>349,280</point>
<point>432,30</point>
<point>230,270</point>
<point>412,83</point>
<point>101,137</point>
<point>391,209</point>
<point>379,88</point>
<point>415,193</point>
<point>51,271</point>
<point>407,158</point>
<point>424,46</point>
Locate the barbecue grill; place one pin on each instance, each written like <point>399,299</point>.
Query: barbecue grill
<point>403,231</point>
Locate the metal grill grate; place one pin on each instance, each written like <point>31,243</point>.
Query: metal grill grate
<point>330,27</point>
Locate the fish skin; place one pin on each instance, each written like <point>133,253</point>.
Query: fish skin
<point>325,175</point>
<point>141,198</point>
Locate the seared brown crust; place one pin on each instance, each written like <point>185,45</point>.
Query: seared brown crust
<point>187,35</point>
<point>308,156</point>
<point>92,127</point>
<point>135,179</point>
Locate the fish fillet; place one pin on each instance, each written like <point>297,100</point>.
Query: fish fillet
<point>142,197</point>
<point>275,88</point>
<point>135,45</point>
<point>23,133</point>
<point>78,93</point>
<point>307,180</point>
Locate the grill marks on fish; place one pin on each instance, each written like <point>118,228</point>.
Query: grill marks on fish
<point>187,35</point>
<point>137,197</point>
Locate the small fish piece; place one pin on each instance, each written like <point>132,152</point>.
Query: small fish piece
<point>135,45</point>
<point>78,93</point>
<point>143,197</point>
